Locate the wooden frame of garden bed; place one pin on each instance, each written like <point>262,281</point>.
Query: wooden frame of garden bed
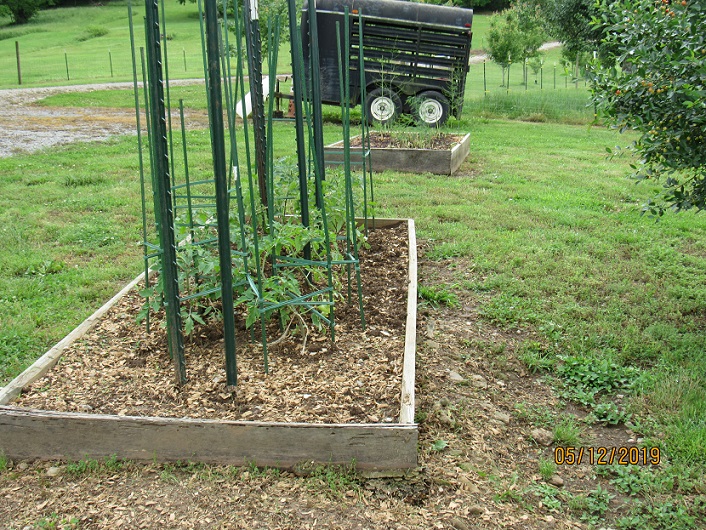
<point>28,434</point>
<point>405,159</point>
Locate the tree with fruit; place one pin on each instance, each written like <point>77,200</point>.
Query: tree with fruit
<point>654,83</point>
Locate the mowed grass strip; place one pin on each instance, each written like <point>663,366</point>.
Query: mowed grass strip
<point>548,233</point>
<point>71,227</point>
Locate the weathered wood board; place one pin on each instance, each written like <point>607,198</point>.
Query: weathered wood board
<point>36,434</point>
<point>407,160</point>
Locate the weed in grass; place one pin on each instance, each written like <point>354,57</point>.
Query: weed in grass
<point>261,471</point>
<point>83,467</point>
<point>568,432</point>
<point>92,32</point>
<point>45,268</point>
<point>537,415</point>
<point>509,310</point>
<point>55,521</point>
<point>88,466</point>
<point>596,505</point>
<point>439,445</point>
<point>444,251</point>
<point>536,357</point>
<point>659,516</point>
<point>551,498</point>
<point>608,413</point>
<point>168,474</point>
<point>4,462</point>
<point>564,106</point>
<point>547,468</point>
<point>596,375</point>
<point>437,296</point>
<point>333,480</point>
<point>78,181</point>
<point>586,379</point>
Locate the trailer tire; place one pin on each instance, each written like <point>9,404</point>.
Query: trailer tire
<point>432,109</point>
<point>382,106</point>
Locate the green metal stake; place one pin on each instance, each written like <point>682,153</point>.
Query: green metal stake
<point>66,60</point>
<point>364,132</point>
<point>298,75</point>
<point>160,156</point>
<point>140,158</point>
<point>221,178</point>
<point>110,58</point>
<point>254,44</point>
<point>319,165</point>
<point>273,48</point>
<point>169,99</point>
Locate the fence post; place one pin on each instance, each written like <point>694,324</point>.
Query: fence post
<point>485,81</point>
<point>183,53</point>
<point>110,59</point>
<point>66,60</point>
<point>19,70</point>
<point>507,91</point>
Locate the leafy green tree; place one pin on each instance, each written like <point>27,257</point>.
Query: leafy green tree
<point>515,35</point>
<point>21,11</point>
<point>654,83</point>
<point>569,21</point>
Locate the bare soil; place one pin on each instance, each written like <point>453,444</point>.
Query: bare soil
<point>411,140</point>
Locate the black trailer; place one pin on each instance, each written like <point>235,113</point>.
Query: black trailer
<point>415,55</point>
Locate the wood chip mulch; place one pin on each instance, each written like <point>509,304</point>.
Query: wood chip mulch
<point>118,368</point>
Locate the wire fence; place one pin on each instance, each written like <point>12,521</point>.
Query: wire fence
<point>18,68</point>
<point>536,92</point>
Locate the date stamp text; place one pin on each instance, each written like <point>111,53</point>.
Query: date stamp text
<point>604,456</point>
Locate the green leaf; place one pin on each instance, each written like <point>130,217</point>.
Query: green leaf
<point>439,445</point>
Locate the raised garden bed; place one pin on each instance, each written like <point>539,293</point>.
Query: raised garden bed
<point>442,156</point>
<point>345,422</point>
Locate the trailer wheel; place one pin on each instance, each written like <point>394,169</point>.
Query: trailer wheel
<point>432,109</point>
<point>383,106</point>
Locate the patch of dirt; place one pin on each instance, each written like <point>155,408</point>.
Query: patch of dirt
<point>410,140</point>
<point>118,368</point>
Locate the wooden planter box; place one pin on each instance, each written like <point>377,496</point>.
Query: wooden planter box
<point>406,160</point>
<point>27,434</point>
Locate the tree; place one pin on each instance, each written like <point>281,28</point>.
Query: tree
<point>654,83</point>
<point>570,22</point>
<point>21,11</point>
<point>515,35</point>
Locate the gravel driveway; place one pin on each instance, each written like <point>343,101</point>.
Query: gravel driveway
<point>27,127</point>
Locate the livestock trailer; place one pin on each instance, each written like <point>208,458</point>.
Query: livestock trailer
<point>415,55</point>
